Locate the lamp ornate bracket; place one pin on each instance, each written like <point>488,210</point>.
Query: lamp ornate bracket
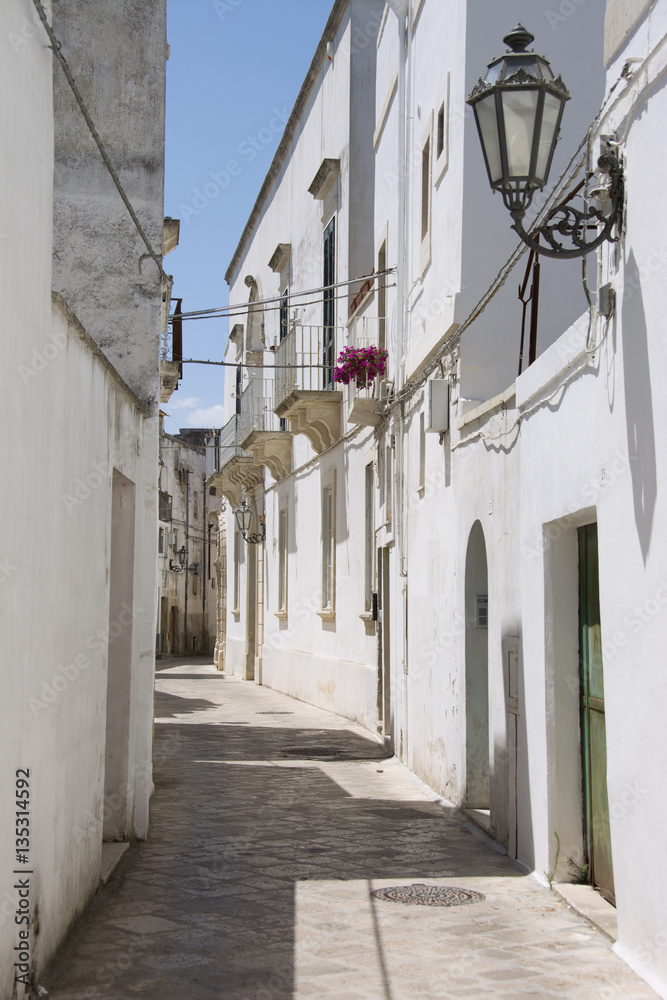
<point>570,223</point>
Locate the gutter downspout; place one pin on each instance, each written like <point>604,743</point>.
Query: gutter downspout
<point>206,536</point>
<point>187,557</point>
<point>401,9</point>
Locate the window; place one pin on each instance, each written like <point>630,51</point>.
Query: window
<point>329,304</point>
<point>440,145</point>
<point>388,484</point>
<point>237,570</point>
<point>426,183</point>
<point>382,298</point>
<point>422,454</point>
<point>239,388</point>
<point>284,312</point>
<point>284,330</point>
<point>165,506</point>
<point>282,560</point>
<point>160,543</point>
<point>328,548</point>
<point>369,539</point>
<point>426,188</point>
<point>196,507</point>
<point>442,135</point>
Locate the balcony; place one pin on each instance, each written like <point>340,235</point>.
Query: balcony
<point>261,432</point>
<point>362,406</point>
<point>171,354</point>
<point>228,467</point>
<point>305,392</point>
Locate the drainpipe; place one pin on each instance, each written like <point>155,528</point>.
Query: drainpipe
<point>187,554</point>
<point>206,534</point>
<point>401,9</point>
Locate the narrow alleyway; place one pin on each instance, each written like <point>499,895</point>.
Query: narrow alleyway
<point>271,823</point>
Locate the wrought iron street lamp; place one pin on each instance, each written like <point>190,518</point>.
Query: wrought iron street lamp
<point>244,515</point>
<point>518,108</point>
<point>182,556</point>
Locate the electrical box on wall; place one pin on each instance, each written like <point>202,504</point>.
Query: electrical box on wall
<point>437,406</point>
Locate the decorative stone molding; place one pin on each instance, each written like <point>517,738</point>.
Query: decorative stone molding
<point>324,178</point>
<point>280,257</point>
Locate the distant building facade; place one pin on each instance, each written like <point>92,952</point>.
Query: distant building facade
<point>187,547</point>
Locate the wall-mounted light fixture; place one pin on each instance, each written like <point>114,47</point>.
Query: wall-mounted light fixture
<point>182,556</point>
<point>518,108</point>
<point>244,516</point>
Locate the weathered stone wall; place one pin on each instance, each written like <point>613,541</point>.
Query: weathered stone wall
<point>117,54</point>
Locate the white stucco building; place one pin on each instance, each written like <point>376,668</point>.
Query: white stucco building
<point>81,343</point>
<point>508,526</point>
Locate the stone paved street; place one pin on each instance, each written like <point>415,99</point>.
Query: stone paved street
<point>271,824</point>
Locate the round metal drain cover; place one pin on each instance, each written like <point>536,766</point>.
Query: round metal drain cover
<point>428,895</point>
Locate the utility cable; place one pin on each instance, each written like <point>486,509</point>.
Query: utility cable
<point>57,51</point>
<point>243,307</point>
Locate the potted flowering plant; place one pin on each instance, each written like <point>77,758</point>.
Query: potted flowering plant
<point>360,364</point>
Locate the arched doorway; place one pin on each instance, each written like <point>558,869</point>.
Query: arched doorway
<point>477,672</point>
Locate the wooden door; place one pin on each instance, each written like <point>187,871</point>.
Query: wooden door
<point>597,834</point>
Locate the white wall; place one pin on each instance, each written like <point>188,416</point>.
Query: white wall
<point>70,422</point>
<point>574,439</point>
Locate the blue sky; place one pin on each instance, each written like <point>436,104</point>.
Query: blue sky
<point>234,72</point>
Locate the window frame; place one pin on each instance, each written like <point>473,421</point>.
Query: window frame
<point>426,196</point>
<point>329,301</point>
<point>283,561</point>
<point>369,532</point>
<point>236,571</point>
<point>328,550</point>
<point>441,160</point>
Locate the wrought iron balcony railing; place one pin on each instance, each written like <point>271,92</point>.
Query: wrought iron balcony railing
<point>222,446</point>
<point>305,360</point>
<point>257,403</point>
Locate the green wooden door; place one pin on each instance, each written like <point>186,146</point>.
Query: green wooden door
<point>593,732</point>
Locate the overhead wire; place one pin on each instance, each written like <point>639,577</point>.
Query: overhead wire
<point>243,307</point>
<point>242,310</point>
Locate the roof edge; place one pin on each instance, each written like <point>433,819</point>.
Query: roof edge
<point>332,25</point>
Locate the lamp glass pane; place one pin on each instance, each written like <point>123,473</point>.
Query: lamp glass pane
<point>552,106</point>
<point>488,127</point>
<point>519,109</point>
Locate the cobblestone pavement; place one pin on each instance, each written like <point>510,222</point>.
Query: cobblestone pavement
<point>271,823</point>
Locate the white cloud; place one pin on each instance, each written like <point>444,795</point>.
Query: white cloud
<point>213,416</point>
<point>184,404</point>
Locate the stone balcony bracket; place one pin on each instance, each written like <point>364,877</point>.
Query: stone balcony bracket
<point>238,474</point>
<point>170,373</point>
<point>271,449</point>
<point>315,413</point>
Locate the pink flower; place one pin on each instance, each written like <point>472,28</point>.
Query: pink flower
<point>360,364</point>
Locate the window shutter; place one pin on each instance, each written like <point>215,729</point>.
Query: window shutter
<point>329,317</point>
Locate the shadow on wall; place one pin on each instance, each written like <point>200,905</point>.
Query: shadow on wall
<point>639,405</point>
